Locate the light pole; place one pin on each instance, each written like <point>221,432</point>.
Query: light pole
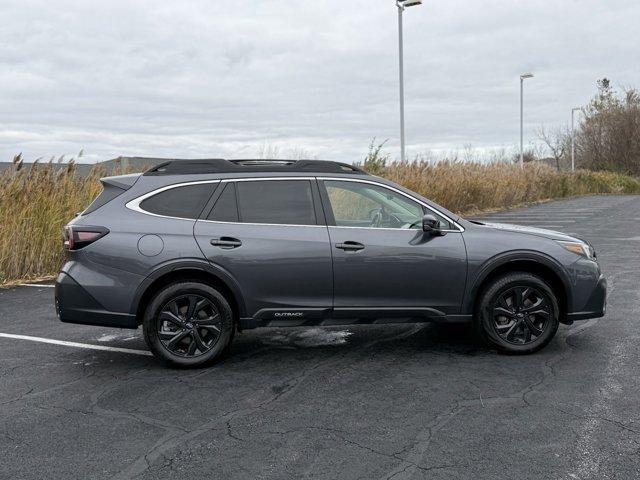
<point>402,4</point>
<point>523,77</point>
<point>573,138</point>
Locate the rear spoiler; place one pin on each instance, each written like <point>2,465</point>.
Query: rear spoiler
<point>111,188</point>
<point>124,182</point>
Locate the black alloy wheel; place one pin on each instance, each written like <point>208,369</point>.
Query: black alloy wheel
<point>517,313</point>
<point>189,325</point>
<point>521,314</point>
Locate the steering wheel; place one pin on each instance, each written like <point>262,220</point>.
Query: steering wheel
<point>378,217</point>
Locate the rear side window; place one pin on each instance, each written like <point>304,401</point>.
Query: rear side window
<point>285,202</point>
<point>182,202</point>
<point>226,207</point>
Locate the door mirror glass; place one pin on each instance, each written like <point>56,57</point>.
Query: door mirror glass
<point>431,225</point>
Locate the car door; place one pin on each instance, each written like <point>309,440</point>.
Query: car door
<point>383,263</point>
<point>270,236</point>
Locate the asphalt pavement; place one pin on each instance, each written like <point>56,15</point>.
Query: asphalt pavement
<point>365,402</point>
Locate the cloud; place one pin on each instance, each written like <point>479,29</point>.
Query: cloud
<point>210,79</point>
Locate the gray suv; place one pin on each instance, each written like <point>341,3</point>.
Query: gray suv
<point>195,250</point>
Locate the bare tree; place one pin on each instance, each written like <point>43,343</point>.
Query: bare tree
<point>558,143</point>
<point>268,151</point>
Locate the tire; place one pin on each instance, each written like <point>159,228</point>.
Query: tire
<point>188,324</point>
<point>517,323</point>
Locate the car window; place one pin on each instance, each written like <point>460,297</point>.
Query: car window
<point>288,202</point>
<point>226,207</point>
<point>356,204</point>
<point>182,202</point>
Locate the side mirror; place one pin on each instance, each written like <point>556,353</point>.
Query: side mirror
<point>431,225</point>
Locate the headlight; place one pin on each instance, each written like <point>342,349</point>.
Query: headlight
<point>580,248</point>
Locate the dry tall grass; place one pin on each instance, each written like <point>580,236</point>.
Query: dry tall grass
<point>468,188</point>
<point>36,202</point>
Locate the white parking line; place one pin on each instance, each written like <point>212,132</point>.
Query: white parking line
<point>39,285</point>
<point>86,346</point>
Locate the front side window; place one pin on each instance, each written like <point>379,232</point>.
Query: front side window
<point>356,204</point>
<point>284,202</point>
<point>181,202</point>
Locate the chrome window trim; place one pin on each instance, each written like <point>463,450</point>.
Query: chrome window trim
<point>135,203</point>
<point>460,228</point>
<point>262,224</point>
<point>258,179</point>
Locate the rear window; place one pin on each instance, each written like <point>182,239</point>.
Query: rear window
<point>285,202</point>
<point>182,202</point>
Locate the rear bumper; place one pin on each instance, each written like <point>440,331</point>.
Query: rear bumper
<point>75,305</point>
<point>596,305</point>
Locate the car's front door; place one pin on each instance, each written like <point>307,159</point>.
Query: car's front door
<point>270,236</point>
<point>383,263</point>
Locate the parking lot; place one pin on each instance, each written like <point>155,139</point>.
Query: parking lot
<point>368,402</point>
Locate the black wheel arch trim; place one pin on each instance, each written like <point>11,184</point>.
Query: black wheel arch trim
<point>502,259</point>
<point>202,265</point>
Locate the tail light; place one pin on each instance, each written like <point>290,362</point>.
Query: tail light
<point>79,236</point>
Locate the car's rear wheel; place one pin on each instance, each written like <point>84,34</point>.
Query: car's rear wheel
<point>188,324</point>
<point>518,313</point>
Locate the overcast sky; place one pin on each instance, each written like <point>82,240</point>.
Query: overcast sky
<point>225,78</point>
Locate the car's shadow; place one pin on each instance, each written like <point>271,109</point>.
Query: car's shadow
<point>258,348</point>
<point>389,340</point>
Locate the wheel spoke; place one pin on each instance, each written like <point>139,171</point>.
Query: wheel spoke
<point>193,306</point>
<point>501,311</point>
<point>170,316</point>
<point>213,328</point>
<point>527,332</point>
<point>212,320</point>
<point>503,303</point>
<point>511,331</point>
<point>519,296</point>
<point>531,327</point>
<point>535,305</point>
<point>173,343</point>
<point>199,342</point>
<point>192,346</point>
<point>538,312</point>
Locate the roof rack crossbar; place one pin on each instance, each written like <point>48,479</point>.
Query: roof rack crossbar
<point>219,165</point>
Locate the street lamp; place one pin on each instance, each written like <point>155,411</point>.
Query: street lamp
<point>402,4</point>
<point>523,77</point>
<point>573,138</point>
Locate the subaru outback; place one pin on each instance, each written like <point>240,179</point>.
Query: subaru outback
<point>196,250</point>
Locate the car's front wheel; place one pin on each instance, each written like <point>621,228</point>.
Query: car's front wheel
<point>188,324</point>
<point>518,313</point>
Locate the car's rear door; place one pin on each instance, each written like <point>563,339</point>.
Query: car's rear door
<point>383,263</point>
<point>269,234</point>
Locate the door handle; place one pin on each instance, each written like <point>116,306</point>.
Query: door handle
<point>350,246</point>
<point>226,242</point>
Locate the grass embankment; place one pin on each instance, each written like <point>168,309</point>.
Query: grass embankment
<point>35,203</point>
<point>469,188</point>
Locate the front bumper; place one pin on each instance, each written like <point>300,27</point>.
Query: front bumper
<point>75,305</point>
<point>596,305</point>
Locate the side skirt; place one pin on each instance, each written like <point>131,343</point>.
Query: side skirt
<point>270,317</point>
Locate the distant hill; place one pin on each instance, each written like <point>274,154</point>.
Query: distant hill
<point>129,164</point>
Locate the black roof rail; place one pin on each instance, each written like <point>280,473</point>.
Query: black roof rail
<point>220,165</point>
